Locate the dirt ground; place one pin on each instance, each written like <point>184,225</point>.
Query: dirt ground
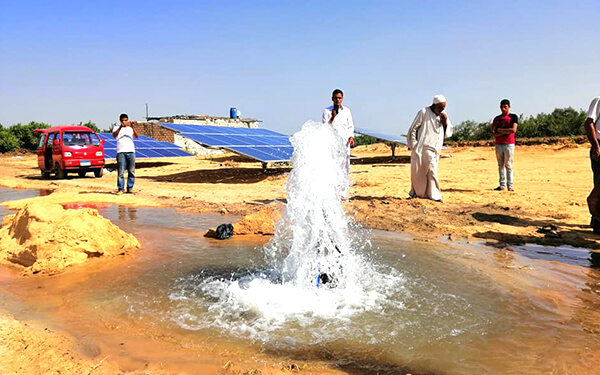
<point>551,186</point>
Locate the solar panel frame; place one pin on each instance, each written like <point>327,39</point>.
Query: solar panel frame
<point>381,136</point>
<point>261,144</point>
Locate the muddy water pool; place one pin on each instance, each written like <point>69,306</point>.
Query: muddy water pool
<point>451,308</point>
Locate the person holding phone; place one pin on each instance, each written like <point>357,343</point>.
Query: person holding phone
<point>425,139</point>
<point>124,132</point>
<point>340,118</point>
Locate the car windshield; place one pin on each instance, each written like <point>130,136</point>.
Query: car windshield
<point>80,139</point>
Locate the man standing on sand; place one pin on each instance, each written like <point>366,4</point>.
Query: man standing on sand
<point>340,118</point>
<point>425,138</point>
<point>124,132</point>
<point>593,133</point>
<point>504,128</point>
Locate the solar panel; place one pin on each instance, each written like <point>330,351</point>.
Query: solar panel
<point>260,144</point>
<point>265,154</point>
<point>145,147</point>
<point>381,136</point>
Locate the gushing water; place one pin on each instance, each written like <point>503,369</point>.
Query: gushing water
<point>315,266</point>
<point>313,234</point>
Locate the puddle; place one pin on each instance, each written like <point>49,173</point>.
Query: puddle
<point>447,309</point>
<point>565,254</point>
<point>7,194</point>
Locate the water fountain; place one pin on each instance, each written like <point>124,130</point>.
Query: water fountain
<point>315,267</point>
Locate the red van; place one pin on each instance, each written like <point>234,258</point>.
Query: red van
<point>64,149</point>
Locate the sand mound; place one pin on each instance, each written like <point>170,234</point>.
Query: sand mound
<point>47,238</point>
<point>261,222</point>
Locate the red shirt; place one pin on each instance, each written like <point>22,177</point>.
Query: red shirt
<point>507,121</point>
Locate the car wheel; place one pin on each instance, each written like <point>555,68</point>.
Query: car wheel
<point>81,173</point>
<point>98,172</point>
<point>59,172</point>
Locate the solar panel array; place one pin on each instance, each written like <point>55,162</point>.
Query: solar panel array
<point>145,147</point>
<point>381,136</point>
<point>260,144</point>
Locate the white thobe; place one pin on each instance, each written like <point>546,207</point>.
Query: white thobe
<point>343,125</point>
<point>425,138</point>
<point>594,114</point>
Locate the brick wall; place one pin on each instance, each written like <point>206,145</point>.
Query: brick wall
<point>153,130</point>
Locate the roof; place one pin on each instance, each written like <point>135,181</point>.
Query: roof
<point>74,128</point>
<point>197,118</point>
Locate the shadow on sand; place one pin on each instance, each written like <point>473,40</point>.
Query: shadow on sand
<point>226,175</point>
<point>382,160</point>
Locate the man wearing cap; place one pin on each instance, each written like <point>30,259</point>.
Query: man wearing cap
<point>593,133</point>
<point>425,138</point>
<point>504,128</point>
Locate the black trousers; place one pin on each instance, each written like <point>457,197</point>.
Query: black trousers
<point>596,169</point>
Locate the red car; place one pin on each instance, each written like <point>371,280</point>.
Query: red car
<point>65,149</point>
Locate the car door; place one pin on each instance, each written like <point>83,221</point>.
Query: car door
<point>40,151</point>
<point>56,147</point>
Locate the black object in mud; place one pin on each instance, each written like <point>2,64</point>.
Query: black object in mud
<point>224,231</point>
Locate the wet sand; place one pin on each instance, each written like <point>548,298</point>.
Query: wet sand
<point>551,184</point>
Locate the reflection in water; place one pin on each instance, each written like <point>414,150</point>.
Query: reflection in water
<point>127,213</point>
<point>565,253</point>
<point>588,311</point>
<point>45,192</point>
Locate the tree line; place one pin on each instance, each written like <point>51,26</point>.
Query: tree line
<point>562,122</point>
<point>21,136</point>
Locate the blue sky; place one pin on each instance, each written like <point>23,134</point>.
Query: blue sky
<point>69,62</point>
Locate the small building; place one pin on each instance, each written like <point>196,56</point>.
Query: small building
<point>153,128</point>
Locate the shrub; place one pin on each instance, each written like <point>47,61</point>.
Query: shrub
<point>25,136</point>
<point>562,122</point>
<point>365,140</point>
<point>8,141</point>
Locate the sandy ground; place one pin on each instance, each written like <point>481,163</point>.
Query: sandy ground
<point>551,184</point>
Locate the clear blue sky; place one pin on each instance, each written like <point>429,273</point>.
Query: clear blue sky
<point>69,62</point>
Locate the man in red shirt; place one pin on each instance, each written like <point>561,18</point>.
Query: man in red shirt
<point>504,128</point>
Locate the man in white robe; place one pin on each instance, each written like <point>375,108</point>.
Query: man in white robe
<point>340,118</point>
<point>425,138</point>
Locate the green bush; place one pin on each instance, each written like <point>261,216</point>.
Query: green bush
<point>365,140</point>
<point>22,136</point>
<point>92,126</point>
<point>25,136</point>
<point>471,131</point>
<point>8,141</point>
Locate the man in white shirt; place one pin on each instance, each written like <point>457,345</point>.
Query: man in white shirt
<point>124,132</point>
<point>340,118</point>
<point>425,138</point>
<point>593,134</point>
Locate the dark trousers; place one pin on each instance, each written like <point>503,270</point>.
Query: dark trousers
<point>596,169</point>
<point>125,161</point>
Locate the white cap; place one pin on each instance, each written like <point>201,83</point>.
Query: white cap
<point>439,99</point>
